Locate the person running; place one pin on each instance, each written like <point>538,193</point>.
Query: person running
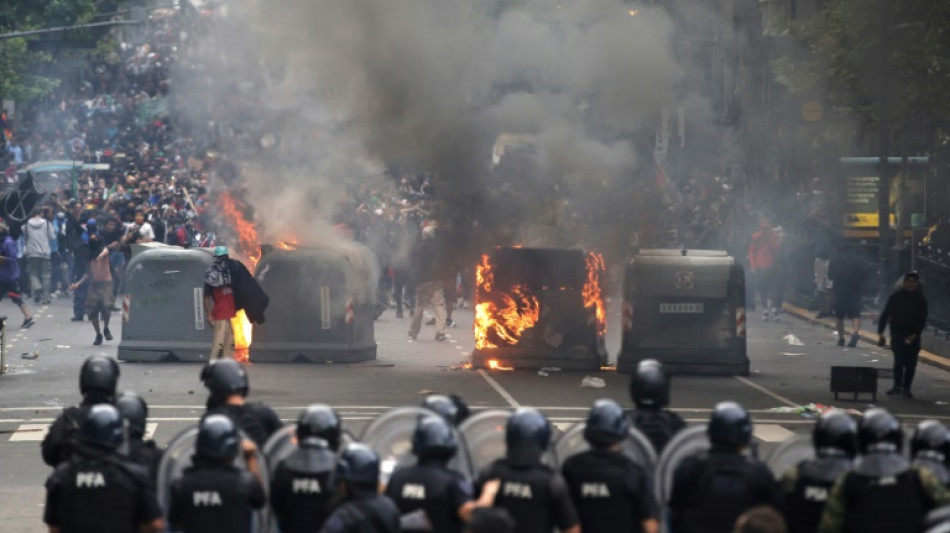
<point>10,275</point>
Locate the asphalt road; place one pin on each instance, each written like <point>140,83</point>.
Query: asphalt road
<point>33,391</point>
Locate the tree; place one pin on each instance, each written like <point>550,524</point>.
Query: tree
<point>869,55</point>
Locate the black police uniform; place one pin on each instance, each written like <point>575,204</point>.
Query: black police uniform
<point>147,454</point>
<point>659,426</point>
<point>813,481</point>
<point>930,447</point>
<point>214,496</point>
<point>255,419</point>
<point>97,490</point>
<point>63,436</point>
<point>431,487</point>
<point>712,489</point>
<point>610,491</point>
<point>301,489</point>
<point>536,496</point>
<point>367,514</point>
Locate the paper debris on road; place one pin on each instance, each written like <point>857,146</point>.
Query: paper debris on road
<point>789,354</point>
<point>593,383</point>
<point>793,340</point>
<point>543,374</point>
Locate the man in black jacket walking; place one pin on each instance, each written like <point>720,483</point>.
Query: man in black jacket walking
<point>906,311</point>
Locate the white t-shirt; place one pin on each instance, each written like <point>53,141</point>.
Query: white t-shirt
<point>146,232</point>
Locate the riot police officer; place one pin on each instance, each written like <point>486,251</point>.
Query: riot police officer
<point>213,495</point>
<point>807,484</point>
<point>429,492</point>
<point>97,489</point>
<point>301,490</point>
<point>930,449</point>
<point>451,408</point>
<point>536,496</point>
<point>610,491</point>
<point>882,492</point>
<point>98,378</point>
<point>650,392</point>
<point>226,380</point>
<point>361,508</point>
<point>144,452</point>
<point>711,490</point>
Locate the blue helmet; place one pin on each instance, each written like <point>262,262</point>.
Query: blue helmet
<point>224,377</point>
<point>452,409</point>
<point>528,426</point>
<point>218,438</point>
<point>879,431</point>
<point>359,464</point>
<point>730,425</point>
<point>607,424</point>
<point>319,421</point>
<point>434,437</point>
<point>836,432</point>
<point>99,374</point>
<point>102,427</point>
<point>135,411</point>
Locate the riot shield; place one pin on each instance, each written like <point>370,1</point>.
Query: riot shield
<point>485,434</point>
<point>391,436</point>
<point>789,453</point>
<point>687,443</point>
<point>284,442</point>
<point>177,458</point>
<point>635,446</point>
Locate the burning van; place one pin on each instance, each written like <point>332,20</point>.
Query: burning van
<point>322,304</point>
<point>685,309</point>
<point>539,307</point>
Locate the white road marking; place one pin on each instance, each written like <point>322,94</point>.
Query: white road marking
<point>767,392</point>
<point>150,428</point>
<point>499,389</point>
<point>30,432</point>
<point>771,432</point>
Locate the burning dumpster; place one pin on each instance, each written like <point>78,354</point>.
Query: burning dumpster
<point>539,307</point>
<point>163,316</point>
<point>322,304</point>
<point>687,310</point>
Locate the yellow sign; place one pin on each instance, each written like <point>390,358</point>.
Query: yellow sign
<point>813,111</point>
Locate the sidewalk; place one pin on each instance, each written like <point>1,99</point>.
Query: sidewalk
<point>871,337</point>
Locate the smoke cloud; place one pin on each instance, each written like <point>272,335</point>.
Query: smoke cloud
<point>314,95</point>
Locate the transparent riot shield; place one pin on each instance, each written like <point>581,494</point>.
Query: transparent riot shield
<point>789,453</point>
<point>391,436</point>
<point>687,443</point>
<point>177,458</point>
<point>635,446</point>
<point>485,434</point>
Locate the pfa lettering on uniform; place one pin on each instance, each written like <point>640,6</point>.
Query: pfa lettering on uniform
<point>306,485</point>
<point>206,498</point>
<point>412,491</point>
<point>90,480</point>
<point>594,490</point>
<point>516,490</point>
<point>816,494</point>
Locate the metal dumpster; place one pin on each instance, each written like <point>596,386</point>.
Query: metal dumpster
<point>685,309</point>
<point>539,307</point>
<point>322,305</point>
<point>163,315</point>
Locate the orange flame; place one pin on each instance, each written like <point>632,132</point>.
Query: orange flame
<point>290,244</point>
<point>501,315</point>
<point>594,292</point>
<point>243,336</point>
<point>493,364</point>
<point>248,243</point>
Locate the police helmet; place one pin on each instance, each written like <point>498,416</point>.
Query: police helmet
<point>528,426</point>
<point>359,464</point>
<point>836,431</point>
<point>319,421</point>
<point>606,424</point>
<point>225,377</point>
<point>931,436</point>
<point>879,431</point>
<point>730,425</point>
<point>446,407</point>
<point>434,437</point>
<point>102,427</point>
<point>218,438</point>
<point>649,385</point>
<point>99,374</point>
<point>134,410</point>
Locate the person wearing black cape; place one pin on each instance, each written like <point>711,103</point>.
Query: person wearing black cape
<point>230,287</point>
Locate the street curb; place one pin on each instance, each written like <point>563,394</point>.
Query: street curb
<point>926,357</point>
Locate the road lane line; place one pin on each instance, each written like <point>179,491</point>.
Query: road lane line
<point>30,432</point>
<point>767,392</point>
<point>770,432</point>
<point>499,389</point>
